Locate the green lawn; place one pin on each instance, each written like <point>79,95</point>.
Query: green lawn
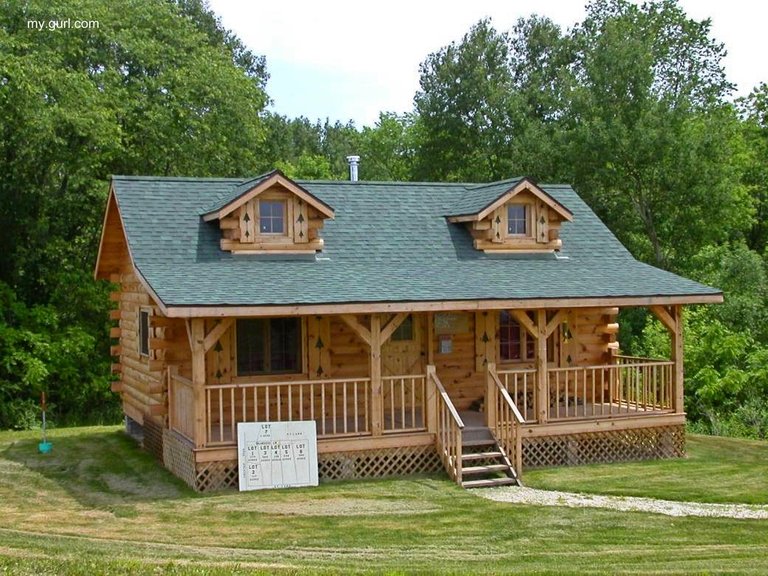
<point>97,504</point>
<point>715,470</point>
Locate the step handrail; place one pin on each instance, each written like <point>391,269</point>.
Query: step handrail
<point>504,420</point>
<point>447,425</point>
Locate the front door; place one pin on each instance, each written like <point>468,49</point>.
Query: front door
<point>403,353</point>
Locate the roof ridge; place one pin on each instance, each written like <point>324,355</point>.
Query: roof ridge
<point>382,183</point>
<point>177,178</point>
<point>496,183</point>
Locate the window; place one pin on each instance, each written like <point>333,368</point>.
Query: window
<point>272,216</point>
<point>268,346</point>
<point>517,220</point>
<point>517,345</point>
<point>404,332</point>
<point>144,332</point>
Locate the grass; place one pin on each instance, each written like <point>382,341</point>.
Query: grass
<point>97,504</point>
<point>716,470</point>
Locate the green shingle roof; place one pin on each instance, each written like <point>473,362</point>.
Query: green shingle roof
<point>389,242</point>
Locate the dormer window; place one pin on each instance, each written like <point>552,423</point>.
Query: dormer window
<point>272,216</point>
<point>520,218</point>
<point>517,220</point>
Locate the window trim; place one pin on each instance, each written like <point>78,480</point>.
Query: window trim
<point>268,373</point>
<point>527,208</point>
<point>397,334</point>
<point>283,202</point>
<point>144,338</point>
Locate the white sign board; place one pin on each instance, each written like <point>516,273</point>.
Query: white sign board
<point>277,454</point>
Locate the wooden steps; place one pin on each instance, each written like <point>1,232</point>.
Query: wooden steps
<point>484,463</point>
<point>489,483</point>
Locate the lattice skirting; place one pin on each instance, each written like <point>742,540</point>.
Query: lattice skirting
<point>179,458</point>
<point>335,466</point>
<point>379,463</point>
<point>216,475</point>
<point>153,438</point>
<point>609,446</point>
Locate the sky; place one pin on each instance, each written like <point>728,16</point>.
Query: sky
<point>346,60</point>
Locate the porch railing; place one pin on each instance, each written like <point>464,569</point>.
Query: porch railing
<point>521,386</point>
<point>447,425</point>
<point>610,390</point>
<point>181,404</point>
<point>504,419</point>
<point>632,385</point>
<point>404,399</point>
<point>341,407</point>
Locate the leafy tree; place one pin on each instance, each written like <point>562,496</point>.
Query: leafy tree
<point>157,88</point>
<point>754,109</point>
<point>463,107</point>
<point>648,131</point>
<point>387,149</point>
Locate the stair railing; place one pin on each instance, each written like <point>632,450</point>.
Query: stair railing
<point>445,422</point>
<point>504,419</point>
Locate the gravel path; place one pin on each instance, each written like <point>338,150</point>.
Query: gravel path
<point>518,495</point>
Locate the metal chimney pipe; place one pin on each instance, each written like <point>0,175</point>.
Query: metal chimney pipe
<point>353,162</point>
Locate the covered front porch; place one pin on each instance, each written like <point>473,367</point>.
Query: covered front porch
<point>522,404</point>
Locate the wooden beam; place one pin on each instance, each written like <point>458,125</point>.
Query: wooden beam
<point>557,319</point>
<point>217,332</point>
<point>664,317</point>
<point>677,357</point>
<point>392,325</point>
<point>430,338</point>
<point>357,328</point>
<point>608,303</point>
<point>525,321</point>
<point>542,384</point>
<point>377,398</point>
<point>197,337</point>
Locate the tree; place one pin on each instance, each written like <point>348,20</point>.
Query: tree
<point>651,143</point>
<point>387,149</point>
<point>463,108</point>
<point>149,90</point>
<point>754,110</point>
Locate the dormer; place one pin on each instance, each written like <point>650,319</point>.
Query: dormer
<point>270,214</point>
<point>511,216</point>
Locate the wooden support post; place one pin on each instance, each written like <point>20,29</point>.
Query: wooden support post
<point>197,339</point>
<point>377,398</point>
<point>490,397</point>
<point>431,338</point>
<point>677,358</point>
<point>542,387</point>
<point>672,318</point>
<point>432,405</point>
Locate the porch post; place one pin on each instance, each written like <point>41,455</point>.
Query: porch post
<point>677,358</point>
<point>491,418</point>
<point>377,400</point>
<point>431,404</point>
<point>542,383</point>
<point>672,318</point>
<point>197,341</point>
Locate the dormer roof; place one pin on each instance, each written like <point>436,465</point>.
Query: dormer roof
<point>249,189</point>
<point>480,200</point>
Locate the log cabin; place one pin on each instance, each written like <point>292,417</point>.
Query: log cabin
<point>421,326</point>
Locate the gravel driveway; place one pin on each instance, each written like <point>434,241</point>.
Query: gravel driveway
<point>533,496</point>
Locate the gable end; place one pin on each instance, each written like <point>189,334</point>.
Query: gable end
<point>271,214</point>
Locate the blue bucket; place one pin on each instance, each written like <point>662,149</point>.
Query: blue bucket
<point>45,447</point>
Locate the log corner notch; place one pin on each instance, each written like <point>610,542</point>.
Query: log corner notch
<point>672,319</point>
